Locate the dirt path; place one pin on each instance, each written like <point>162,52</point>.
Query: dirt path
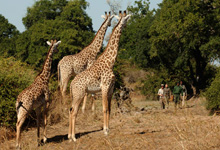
<point>152,128</point>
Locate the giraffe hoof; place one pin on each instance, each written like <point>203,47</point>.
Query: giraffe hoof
<point>45,140</point>
<point>69,136</point>
<point>18,147</point>
<point>72,139</point>
<point>106,131</point>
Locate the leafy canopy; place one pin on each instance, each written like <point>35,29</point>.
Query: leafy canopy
<point>14,77</point>
<point>54,19</point>
<point>8,34</point>
<point>180,35</point>
<point>134,42</point>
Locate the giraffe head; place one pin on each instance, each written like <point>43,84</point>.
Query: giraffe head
<point>53,44</point>
<point>123,19</point>
<point>108,18</point>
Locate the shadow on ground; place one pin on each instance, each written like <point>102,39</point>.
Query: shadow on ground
<point>60,138</point>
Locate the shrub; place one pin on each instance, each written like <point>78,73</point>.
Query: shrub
<point>212,94</point>
<point>14,77</point>
<point>154,80</point>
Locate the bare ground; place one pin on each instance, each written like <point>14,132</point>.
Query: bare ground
<point>189,128</point>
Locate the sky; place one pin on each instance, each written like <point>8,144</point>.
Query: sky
<point>15,10</point>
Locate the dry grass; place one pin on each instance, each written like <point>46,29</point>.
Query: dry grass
<point>6,134</point>
<point>189,129</point>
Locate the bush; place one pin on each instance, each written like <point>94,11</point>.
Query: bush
<point>14,77</point>
<point>212,94</point>
<point>154,80</point>
<point>118,72</point>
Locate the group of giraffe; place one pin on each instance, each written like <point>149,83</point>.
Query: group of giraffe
<point>91,76</point>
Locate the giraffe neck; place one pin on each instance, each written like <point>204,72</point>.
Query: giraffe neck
<point>47,65</point>
<point>98,39</point>
<point>110,53</point>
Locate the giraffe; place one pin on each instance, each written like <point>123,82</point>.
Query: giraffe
<point>93,98</point>
<point>36,96</point>
<point>99,77</point>
<point>71,65</point>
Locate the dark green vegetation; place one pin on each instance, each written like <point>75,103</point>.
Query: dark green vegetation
<point>47,19</point>
<point>178,41</point>
<point>212,94</point>
<point>14,77</point>
<point>54,19</point>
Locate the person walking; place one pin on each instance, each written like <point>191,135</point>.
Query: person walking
<point>184,94</point>
<point>176,92</point>
<point>161,96</point>
<point>167,94</point>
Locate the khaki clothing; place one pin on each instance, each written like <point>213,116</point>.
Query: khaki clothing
<point>167,94</point>
<point>184,95</point>
<point>162,98</point>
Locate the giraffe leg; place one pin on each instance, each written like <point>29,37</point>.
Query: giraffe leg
<point>105,110</point>
<point>21,118</point>
<point>45,111</point>
<point>84,102</point>
<point>63,88</point>
<point>110,93</point>
<point>70,124</point>
<point>93,103</point>
<point>38,112</point>
<point>73,114</point>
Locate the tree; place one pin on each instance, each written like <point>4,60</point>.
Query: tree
<point>8,33</point>
<point>212,94</point>
<point>54,19</point>
<point>14,77</point>
<point>43,10</point>
<point>185,37</point>
<point>134,43</point>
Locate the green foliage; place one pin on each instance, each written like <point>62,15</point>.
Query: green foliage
<point>8,33</point>
<point>14,77</point>
<point>54,19</point>
<point>212,94</point>
<point>181,37</point>
<point>47,19</point>
<point>134,42</point>
<point>154,80</point>
<point>118,72</point>
<point>43,10</point>
<point>184,36</point>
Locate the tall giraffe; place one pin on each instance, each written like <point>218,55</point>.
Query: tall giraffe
<point>36,96</point>
<point>99,77</point>
<point>71,65</point>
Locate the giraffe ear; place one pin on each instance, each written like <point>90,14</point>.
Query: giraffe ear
<point>48,43</point>
<point>117,17</point>
<point>112,16</point>
<point>57,43</point>
<point>103,16</point>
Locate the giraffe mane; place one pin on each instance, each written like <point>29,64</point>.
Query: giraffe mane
<point>111,35</point>
<point>52,43</point>
<point>96,33</point>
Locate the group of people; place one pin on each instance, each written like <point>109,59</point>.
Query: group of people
<point>179,95</point>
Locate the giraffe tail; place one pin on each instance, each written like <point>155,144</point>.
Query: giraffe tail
<point>18,105</point>
<point>59,76</point>
<point>71,95</point>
